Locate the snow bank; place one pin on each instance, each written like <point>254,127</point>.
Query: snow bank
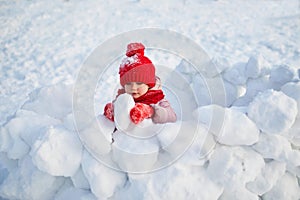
<point>234,152</point>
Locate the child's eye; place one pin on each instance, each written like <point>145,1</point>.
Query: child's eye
<point>139,83</point>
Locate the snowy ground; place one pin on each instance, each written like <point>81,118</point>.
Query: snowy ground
<point>254,43</point>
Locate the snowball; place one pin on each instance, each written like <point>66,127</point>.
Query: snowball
<point>57,146</point>
<point>273,111</point>
<point>234,165</point>
<point>235,128</point>
<point>122,106</point>
<point>257,66</point>
<point>265,181</point>
<point>287,188</point>
<point>104,181</point>
<point>29,183</point>
<point>134,154</point>
<point>55,101</point>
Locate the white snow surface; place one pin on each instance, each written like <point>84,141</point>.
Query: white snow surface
<point>246,147</point>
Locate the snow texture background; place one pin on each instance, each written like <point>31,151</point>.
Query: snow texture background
<point>255,155</point>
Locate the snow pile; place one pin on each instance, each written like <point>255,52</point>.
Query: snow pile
<point>253,152</point>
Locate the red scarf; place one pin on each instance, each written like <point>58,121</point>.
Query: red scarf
<point>151,97</point>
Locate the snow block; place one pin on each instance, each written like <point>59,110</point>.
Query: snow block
<point>286,188</point>
<point>134,154</point>
<point>104,181</point>
<point>292,89</point>
<point>96,136</point>
<point>268,177</point>
<point>257,66</point>
<point>57,146</point>
<point>79,180</point>
<point>21,132</point>
<point>234,165</point>
<point>180,182</point>
<point>281,75</point>
<point>29,183</point>
<point>277,147</point>
<point>236,74</point>
<point>273,111</point>
<point>234,128</point>
<point>202,146</point>
<point>122,106</point>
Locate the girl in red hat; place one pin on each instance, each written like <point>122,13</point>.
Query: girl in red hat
<point>137,77</point>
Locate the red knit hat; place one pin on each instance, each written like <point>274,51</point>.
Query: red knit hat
<point>136,67</point>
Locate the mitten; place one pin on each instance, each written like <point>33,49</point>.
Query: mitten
<point>140,112</point>
<point>109,111</point>
<point>163,113</point>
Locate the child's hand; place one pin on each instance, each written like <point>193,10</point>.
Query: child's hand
<point>140,112</point>
<point>109,111</point>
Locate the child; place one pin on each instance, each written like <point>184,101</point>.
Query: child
<point>137,78</point>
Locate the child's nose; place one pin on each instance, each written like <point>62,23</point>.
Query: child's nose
<point>134,86</point>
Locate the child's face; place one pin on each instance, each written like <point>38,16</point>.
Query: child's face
<point>136,89</point>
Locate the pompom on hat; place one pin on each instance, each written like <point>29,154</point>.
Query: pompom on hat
<point>136,67</point>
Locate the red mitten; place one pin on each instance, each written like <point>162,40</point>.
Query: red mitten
<point>109,111</point>
<point>140,112</point>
